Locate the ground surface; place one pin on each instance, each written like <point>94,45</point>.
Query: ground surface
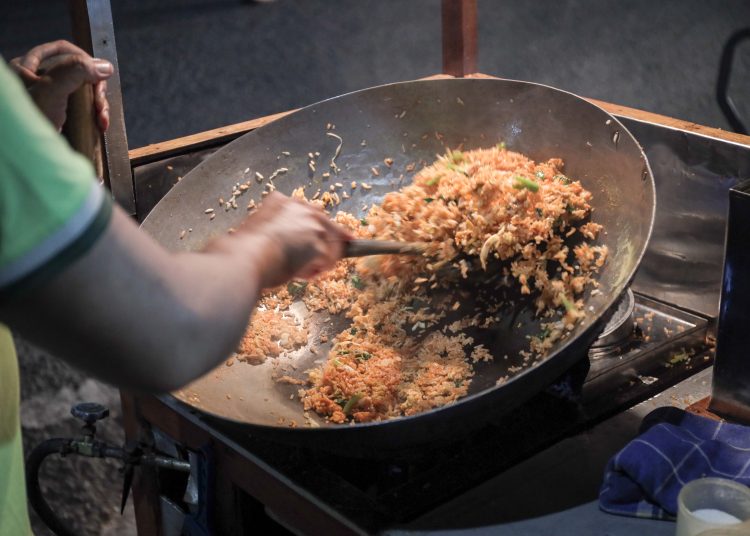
<point>191,65</point>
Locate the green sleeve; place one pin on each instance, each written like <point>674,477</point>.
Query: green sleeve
<point>51,211</point>
<point>51,207</point>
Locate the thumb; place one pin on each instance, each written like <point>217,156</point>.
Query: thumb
<point>72,71</point>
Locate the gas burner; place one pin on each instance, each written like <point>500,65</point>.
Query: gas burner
<point>617,333</point>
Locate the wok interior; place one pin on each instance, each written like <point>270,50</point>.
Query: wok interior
<point>412,122</point>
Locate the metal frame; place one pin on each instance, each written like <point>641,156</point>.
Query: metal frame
<point>94,31</point>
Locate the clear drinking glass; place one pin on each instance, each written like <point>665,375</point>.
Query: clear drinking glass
<point>713,503</point>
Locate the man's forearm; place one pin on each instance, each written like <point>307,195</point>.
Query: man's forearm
<point>131,313</point>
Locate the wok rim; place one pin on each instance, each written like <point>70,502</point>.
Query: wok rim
<point>563,349</point>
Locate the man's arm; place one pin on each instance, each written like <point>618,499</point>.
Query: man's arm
<point>85,283</point>
<point>141,317</point>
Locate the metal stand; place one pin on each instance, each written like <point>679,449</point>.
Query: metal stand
<point>131,455</point>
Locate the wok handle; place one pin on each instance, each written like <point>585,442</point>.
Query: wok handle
<point>362,248</point>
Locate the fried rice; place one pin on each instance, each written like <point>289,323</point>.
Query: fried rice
<point>481,213</point>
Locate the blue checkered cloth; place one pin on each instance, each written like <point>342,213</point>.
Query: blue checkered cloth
<point>675,447</point>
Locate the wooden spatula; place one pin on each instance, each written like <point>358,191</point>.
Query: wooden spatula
<point>363,248</point>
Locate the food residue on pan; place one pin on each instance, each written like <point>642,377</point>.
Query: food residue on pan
<point>270,333</point>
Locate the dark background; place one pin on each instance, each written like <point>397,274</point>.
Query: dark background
<point>192,65</point>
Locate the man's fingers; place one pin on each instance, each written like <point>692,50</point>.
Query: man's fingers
<point>328,250</point>
<point>336,235</point>
<point>70,72</point>
<point>101,104</point>
<point>23,73</point>
<point>100,95</point>
<point>310,272</point>
<point>103,118</point>
<point>38,54</point>
<point>313,269</point>
<point>320,253</point>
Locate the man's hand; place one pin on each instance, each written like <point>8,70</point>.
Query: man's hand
<point>53,71</point>
<point>293,239</point>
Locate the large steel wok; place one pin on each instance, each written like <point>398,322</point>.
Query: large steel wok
<point>410,122</point>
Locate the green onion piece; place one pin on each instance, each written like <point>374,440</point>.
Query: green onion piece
<point>569,208</point>
<point>353,331</point>
<point>501,146</point>
<point>363,222</point>
<point>682,355</point>
<point>296,288</point>
<point>357,282</point>
<point>349,406</point>
<point>433,181</point>
<point>562,178</point>
<point>362,356</point>
<point>539,174</point>
<point>457,156</point>
<point>569,306</point>
<point>428,200</point>
<point>336,363</point>
<point>454,167</point>
<point>523,182</point>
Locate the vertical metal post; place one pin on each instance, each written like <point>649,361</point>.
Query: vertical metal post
<point>459,37</point>
<point>93,30</point>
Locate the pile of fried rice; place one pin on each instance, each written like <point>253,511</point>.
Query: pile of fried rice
<point>481,213</point>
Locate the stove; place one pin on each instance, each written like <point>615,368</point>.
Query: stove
<point>661,334</point>
<point>619,331</point>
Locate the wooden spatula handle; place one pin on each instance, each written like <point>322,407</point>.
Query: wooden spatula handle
<point>362,248</point>
<point>81,128</point>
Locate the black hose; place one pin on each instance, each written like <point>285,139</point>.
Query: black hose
<point>34,492</point>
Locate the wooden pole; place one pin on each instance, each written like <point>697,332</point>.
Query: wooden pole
<point>80,126</point>
<point>459,37</point>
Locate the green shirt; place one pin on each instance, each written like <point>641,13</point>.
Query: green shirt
<point>51,211</point>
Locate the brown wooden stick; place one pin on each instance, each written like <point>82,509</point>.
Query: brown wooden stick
<point>167,148</point>
<point>657,119</point>
<point>363,248</point>
<point>81,128</point>
<point>459,19</point>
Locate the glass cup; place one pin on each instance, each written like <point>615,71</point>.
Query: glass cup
<point>713,503</point>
